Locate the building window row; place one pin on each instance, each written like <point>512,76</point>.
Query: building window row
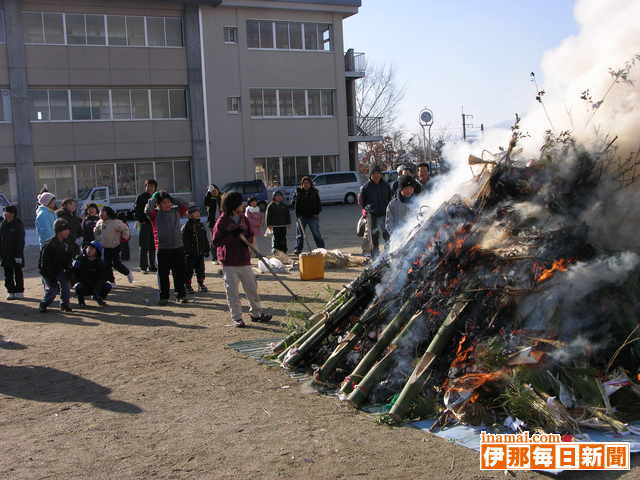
<point>289,35</point>
<point>288,102</point>
<point>233,104</point>
<point>288,170</point>
<point>101,30</point>
<point>124,179</point>
<point>102,104</point>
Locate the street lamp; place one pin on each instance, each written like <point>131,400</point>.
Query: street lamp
<point>426,120</point>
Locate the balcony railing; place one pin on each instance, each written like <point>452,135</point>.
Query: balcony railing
<point>365,127</point>
<point>355,63</point>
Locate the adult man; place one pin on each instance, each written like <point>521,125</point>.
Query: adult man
<point>424,176</point>
<point>374,198</point>
<point>146,241</point>
<point>406,171</point>
<point>308,209</point>
<point>401,205</point>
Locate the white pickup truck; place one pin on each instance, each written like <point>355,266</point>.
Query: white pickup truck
<point>102,197</point>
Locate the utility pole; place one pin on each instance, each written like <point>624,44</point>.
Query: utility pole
<point>465,124</point>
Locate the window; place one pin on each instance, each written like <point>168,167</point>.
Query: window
<point>5,105</point>
<point>287,102</point>
<point>143,172</point>
<point>320,180</point>
<point>289,35</point>
<point>117,26</point>
<point>59,101</point>
<point>81,104</point>
<point>155,31</point>
<point>178,103</point>
<point>53,28</point>
<point>288,170</point>
<point>182,176</point>
<point>230,34</point>
<point>253,34</point>
<point>33,28</point>
<point>76,30</point>
<point>266,34</point>
<point>126,179</point>
<point>302,168</point>
<point>95,30</point>
<point>3,31</point>
<point>58,180</point>
<point>140,104</point>
<point>105,177</point>
<point>135,31</point>
<point>164,175</point>
<point>39,105</point>
<point>100,105</point>
<point>86,179</point>
<point>317,164</point>
<point>233,104</point>
<point>160,104</point>
<point>340,178</point>
<point>173,31</point>
<point>121,104</point>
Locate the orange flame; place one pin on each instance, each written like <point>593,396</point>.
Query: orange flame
<point>560,265</point>
<point>462,354</point>
<point>473,381</point>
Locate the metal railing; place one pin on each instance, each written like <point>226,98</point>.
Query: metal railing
<point>355,62</point>
<point>365,126</point>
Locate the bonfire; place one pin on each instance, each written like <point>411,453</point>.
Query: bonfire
<point>497,308</point>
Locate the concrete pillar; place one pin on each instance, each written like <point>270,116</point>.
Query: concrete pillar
<point>22,136</point>
<point>199,162</point>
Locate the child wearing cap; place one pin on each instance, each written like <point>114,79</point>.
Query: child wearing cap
<point>278,221</point>
<point>45,217</point>
<point>91,273</point>
<point>12,252</point>
<point>196,248</point>
<point>54,265</point>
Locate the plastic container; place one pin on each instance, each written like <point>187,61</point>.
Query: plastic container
<point>311,266</point>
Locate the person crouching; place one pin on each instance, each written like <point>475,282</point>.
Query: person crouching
<point>196,248</point>
<point>92,275</point>
<point>229,235</point>
<point>55,263</point>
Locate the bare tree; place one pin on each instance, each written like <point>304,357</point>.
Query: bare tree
<point>378,95</point>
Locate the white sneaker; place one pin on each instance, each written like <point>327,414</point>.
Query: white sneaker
<point>130,277</point>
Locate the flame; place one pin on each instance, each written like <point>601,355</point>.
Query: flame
<point>473,381</point>
<point>462,354</point>
<point>433,312</point>
<point>560,265</point>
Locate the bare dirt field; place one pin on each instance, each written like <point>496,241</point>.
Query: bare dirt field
<point>135,391</point>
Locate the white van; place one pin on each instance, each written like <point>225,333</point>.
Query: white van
<point>338,187</point>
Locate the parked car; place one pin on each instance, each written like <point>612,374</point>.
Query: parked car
<point>248,189</point>
<point>339,187</point>
<point>101,196</point>
<point>4,201</point>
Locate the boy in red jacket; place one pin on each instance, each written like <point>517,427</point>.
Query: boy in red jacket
<point>235,258</point>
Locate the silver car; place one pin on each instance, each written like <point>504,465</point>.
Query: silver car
<point>339,187</point>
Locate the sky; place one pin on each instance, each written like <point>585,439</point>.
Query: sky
<point>450,53</point>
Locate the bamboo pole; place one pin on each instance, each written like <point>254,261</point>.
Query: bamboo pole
<point>372,355</point>
<point>420,374</point>
<point>362,390</point>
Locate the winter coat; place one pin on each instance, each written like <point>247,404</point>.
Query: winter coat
<point>74,221</point>
<point>231,250</point>
<point>111,232</point>
<point>307,202</point>
<point>45,218</point>
<point>55,258</point>
<point>195,239</point>
<point>278,215</point>
<point>397,212</point>
<point>256,219</point>
<point>93,273</point>
<point>141,203</point>
<point>167,227</point>
<point>212,204</point>
<point>375,197</point>
<point>11,241</point>
<point>417,187</point>
<point>88,225</point>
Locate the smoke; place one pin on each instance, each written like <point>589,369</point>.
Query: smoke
<point>608,37</point>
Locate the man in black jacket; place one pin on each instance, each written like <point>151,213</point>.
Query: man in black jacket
<point>374,198</point>
<point>196,248</point>
<point>55,263</point>
<point>145,230</point>
<point>92,274</point>
<point>308,209</point>
<point>12,252</point>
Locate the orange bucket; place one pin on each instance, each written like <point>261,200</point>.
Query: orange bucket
<point>311,266</point>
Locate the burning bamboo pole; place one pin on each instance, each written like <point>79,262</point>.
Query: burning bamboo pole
<point>372,355</point>
<point>361,391</point>
<point>421,373</point>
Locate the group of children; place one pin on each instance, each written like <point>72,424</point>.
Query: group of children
<point>82,253</point>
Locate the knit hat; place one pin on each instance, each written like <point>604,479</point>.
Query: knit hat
<point>60,225</point>
<point>45,198</point>
<point>11,209</point>
<point>405,181</point>
<point>374,169</point>
<point>193,209</point>
<point>97,245</point>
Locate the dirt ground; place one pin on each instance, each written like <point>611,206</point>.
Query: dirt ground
<point>135,391</point>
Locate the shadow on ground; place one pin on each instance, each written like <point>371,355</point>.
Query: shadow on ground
<point>45,384</point>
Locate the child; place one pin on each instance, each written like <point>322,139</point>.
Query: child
<point>212,204</point>
<point>54,265</point>
<point>109,232</point>
<point>235,257</point>
<point>12,252</point>
<point>196,248</point>
<point>91,273</point>
<point>68,213</point>
<point>145,237</point>
<point>255,218</point>
<point>165,214</point>
<point>278,221</point>
<point>89,224</point>
<point>45,217</point>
